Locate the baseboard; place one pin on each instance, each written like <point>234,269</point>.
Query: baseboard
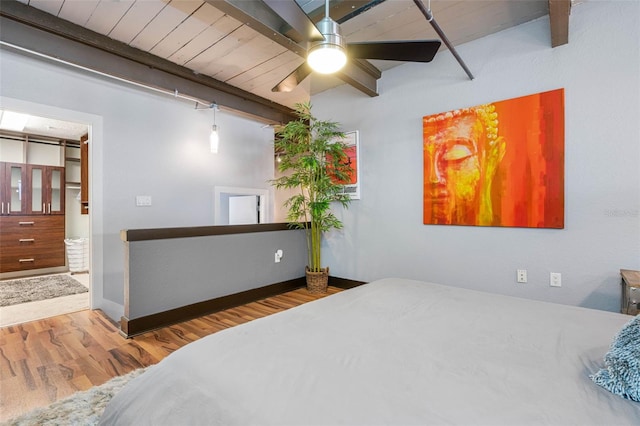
<point>33,272</point>
<point>344,283</point>
<point>132,327</point>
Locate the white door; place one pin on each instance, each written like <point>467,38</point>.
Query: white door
<point>243,209</point>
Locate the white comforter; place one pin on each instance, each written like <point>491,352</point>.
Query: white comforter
<point>389,352</point>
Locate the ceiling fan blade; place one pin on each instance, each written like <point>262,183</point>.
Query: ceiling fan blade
<point>407,51</point>
<point>292,80</point>
<point>357,8</point>
<point>293,14</point>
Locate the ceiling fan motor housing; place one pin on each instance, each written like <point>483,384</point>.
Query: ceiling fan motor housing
<point>333,43</point>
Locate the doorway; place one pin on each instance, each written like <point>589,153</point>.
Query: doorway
<point>53,142</point>
<point>244,209</point>
<point>240,206</point>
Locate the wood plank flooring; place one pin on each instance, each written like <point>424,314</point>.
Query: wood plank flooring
<point>47,360</point>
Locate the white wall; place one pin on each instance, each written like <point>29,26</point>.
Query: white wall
<point>600,71</point>
<point>11,151</point>
<point>14,151</point>
<point>142,143</point>
<point>76,223</point>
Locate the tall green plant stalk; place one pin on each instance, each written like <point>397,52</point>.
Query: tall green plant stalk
<point>313,160</point>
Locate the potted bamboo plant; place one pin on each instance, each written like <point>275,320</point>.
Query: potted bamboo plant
<point>313,161</point>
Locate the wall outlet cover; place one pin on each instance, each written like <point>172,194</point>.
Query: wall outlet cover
<point>521,275</point>
<point>143,200</point>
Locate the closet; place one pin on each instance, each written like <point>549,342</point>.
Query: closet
<point>32,223</point>
<point>44,197</point>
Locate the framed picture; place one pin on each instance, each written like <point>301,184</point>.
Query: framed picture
<point>352,141</point>
<point>496,164</point>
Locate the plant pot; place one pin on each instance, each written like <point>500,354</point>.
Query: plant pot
<point>317,282</point>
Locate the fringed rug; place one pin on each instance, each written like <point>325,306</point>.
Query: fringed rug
<point>23,290</point>
<point>82,408</point>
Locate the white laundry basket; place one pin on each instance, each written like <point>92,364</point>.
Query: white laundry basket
<point>77,254</point>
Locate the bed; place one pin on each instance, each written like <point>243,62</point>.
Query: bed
<point>393,351</point>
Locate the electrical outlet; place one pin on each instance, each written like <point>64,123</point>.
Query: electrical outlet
<point>143,200</point>
<point>555,279</point>
<point>521,275</point>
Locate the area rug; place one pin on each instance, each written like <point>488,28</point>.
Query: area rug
<point>82,408</point>
<point>25,290</point>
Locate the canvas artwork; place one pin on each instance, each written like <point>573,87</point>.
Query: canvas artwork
<point>352,187</point>
<point>496,164</point>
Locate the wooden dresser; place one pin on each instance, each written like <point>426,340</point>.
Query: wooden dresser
<point>32,221</point>
<point>31,242</point>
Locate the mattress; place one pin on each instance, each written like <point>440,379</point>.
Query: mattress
<point>395,352</point>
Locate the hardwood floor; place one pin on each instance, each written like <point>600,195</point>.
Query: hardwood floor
<point>46,360</point>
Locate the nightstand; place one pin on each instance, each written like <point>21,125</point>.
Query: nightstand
<point>630,292</point>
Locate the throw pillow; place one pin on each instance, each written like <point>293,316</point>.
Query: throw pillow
<point>621,374</point>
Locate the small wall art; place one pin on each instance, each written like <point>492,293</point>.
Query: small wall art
<point>352,142</point>
<point>496,164</point>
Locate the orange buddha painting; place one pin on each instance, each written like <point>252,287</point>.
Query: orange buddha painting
<point>496,164</point>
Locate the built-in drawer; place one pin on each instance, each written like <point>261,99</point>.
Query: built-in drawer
<point>10,225</point>
<point>52,238</point>
<point>31,242</point>
<point>35,259</point>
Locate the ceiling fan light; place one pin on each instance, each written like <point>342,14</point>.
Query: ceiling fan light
<point>327,58</point>
<point>329,55</point>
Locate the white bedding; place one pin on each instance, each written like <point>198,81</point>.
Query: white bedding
<point>390,352</point>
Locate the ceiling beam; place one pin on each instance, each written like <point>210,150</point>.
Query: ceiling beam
<point>32,30</point>
<point>357,8</point>
<point>261,18</point>
<point>342,10</point>
<point>360,74</point>
<point>559,11</point>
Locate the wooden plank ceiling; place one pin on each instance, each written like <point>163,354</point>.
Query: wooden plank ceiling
<point>204,37</point>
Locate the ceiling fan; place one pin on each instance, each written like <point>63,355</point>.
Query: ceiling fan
<point>329,52</point>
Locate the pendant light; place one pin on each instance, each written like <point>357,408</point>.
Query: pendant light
<point>214,137</point>
<point>329,55</point>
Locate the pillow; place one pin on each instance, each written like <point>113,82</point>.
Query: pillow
<point>621,374</point>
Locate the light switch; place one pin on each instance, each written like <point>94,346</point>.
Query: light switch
<point>143,200</point>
